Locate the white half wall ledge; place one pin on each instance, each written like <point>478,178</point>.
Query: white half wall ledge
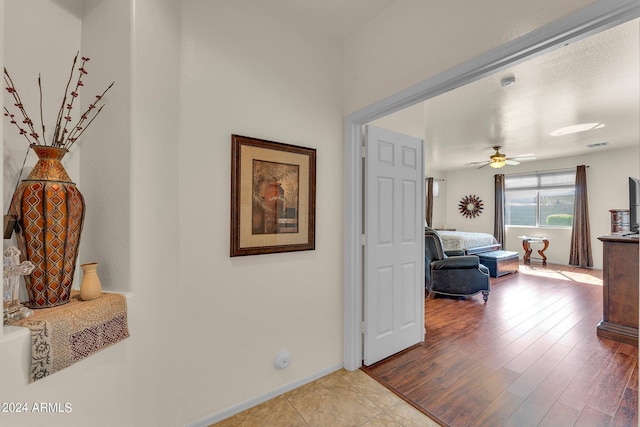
<point>597,17</point>
<point>15,338</point>
<point>10,333</point>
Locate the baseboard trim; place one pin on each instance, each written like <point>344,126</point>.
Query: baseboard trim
<point>219,416</point>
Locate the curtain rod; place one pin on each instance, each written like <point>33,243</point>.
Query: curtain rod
<point>436,179</point>
<point>548,170</point>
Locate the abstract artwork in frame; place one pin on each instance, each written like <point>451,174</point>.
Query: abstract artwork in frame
<point>273,197</point>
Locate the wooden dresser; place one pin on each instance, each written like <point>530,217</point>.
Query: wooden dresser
<point>620,289</point>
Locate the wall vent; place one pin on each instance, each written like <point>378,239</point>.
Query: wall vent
<point>597,144</point>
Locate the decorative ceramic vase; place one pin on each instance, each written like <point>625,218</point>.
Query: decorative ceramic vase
<point>90,288</point>
<point>49,212</point>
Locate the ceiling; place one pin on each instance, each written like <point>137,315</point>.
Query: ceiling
<point>335,19</point>
<point>594,80</point>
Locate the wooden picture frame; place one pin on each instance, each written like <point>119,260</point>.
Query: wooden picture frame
<point>273,197</point>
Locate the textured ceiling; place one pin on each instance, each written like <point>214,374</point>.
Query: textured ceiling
<point>336,19</point>
<point>596,79</point>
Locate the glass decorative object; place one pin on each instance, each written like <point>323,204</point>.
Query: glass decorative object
<point>12,269</point>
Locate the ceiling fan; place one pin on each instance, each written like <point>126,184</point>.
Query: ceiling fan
<point>498,160</point>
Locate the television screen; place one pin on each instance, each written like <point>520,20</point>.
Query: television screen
<point>634,201</point>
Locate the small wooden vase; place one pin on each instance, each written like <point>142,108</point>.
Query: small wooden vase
<point>90,288</point>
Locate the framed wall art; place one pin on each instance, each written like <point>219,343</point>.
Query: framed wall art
<point>470,206</point>
<point>273,197</point>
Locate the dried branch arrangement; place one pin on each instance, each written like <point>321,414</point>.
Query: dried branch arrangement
<point>64,134</point>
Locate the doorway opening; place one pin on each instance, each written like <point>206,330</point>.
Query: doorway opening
<point>581,24</point>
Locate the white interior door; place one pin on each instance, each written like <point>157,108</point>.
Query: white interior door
<point>394,243</point>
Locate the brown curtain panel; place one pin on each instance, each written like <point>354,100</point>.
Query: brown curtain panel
<point>580,254</point>
<point>429,217</point>
<point>498,219</point>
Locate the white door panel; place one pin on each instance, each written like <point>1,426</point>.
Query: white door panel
<point>394,249</point>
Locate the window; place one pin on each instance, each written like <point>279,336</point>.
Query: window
<point>540,199</point>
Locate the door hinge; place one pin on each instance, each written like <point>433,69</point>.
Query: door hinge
<point>363,239</point>
<point>363,151</point>
<point>363,327</point>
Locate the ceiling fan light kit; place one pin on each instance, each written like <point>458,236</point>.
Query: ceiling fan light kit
<point>498,160</point>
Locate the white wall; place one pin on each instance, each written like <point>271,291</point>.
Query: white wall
<point>105,148</point>
<point>160,306</point>
<point>607,186</point>
<point>249,72</point>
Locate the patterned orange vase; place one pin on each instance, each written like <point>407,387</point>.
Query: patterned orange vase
<point>50,212</point>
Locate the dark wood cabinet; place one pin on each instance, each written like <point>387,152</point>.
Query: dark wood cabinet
<point>620,289</point>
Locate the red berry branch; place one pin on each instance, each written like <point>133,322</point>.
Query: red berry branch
<point>64,135</point>
<point>17,103</point>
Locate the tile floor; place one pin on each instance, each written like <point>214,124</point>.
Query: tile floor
<point>340,399</point>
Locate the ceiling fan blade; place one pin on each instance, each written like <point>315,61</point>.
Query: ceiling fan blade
<point>523,158</point>
<point>497,157</point>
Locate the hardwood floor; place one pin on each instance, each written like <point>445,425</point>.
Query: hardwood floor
<point>529,357</point>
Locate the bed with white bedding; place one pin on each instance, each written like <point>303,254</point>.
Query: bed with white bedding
<point>470,243</point>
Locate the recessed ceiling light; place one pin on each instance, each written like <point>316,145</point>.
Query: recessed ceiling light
<point>577,128</point>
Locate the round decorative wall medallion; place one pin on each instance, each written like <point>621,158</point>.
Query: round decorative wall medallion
<point>470,206</point>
